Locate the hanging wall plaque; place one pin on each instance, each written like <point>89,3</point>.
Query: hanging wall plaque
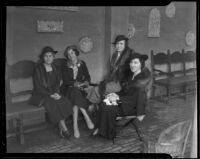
<point>85,44</point>
<point>154,23</point>
<point>190,38</point>
<point>131,31</point>
<point>60,8</point>
<point>50,26</point>
<point>170,10</point>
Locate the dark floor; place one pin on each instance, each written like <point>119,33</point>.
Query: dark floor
<point>159,117</point>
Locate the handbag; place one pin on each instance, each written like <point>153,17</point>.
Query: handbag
<point>112,87</point>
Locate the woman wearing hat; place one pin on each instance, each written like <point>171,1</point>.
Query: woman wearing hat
<point>119,60</point>
<point>46,80</point>
<point>132,98</point>
<point>117,70</point>
<point>75,78</point>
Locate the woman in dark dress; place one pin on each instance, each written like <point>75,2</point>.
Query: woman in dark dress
<point>46,80</point>
<point>118,67</point>
<point>76,77</point>
<point>132,98</point>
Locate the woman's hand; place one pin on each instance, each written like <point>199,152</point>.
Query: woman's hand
<point>141,117</point>
<point>86,83</point>
<point>56,96</point>
<point>76,84</point>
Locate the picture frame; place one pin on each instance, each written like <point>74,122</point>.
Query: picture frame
<point>50,26</point>
<point>61,8</point>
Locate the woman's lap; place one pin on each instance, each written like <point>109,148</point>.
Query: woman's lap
<point>77,97</point>
<point>57,109</point>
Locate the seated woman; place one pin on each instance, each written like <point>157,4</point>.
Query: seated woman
<point>116,76</point>
<point>46,80</point>
<point>132,98</point>
<point>75,78</point>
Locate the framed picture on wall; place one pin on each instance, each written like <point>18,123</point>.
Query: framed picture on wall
<point>50,26</point>
<point>61,8</point>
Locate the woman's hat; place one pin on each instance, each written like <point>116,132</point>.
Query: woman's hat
<point>120,38</point>
<point>47,49</point>
<point>138,56</point>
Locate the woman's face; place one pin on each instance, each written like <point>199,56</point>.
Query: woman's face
<point>135,65</point>
<point>120,46</point>
<point>71,55</point>
<point>48,57</point>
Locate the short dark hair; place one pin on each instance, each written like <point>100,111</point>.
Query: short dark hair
<point>71,47</point>
<point>142,58</point>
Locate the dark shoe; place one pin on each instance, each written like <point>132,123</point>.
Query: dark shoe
<point>94,136</point>
<point>66,134</point>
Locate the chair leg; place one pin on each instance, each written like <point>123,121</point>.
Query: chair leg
<point>185,92</point>
<point>168,95</point>
<point>113,140</point>
<point>138,131</point>
<point>127,123</point>
<point>20,129</point>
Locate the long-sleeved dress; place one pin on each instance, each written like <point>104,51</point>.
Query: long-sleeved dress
<point>46,84</point>
<point>133,100</point>
<point>74,94</point>
<point>119,66</point>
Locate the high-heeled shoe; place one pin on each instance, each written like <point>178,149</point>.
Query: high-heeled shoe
<point>94,134</point>
<point>64,134</point>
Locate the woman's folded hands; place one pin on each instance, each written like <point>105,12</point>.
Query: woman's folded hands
<point>111,99</point>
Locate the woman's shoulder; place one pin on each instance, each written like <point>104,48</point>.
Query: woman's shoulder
<point>39,66</point>
<point>64,64</point>
<point>82,62</point>
<point>129,50</point>
<point>145,73</point>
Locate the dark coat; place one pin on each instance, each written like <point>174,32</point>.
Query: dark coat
<point>134,94</point>
<point>67,74</point>
<point>74,94</point>
<point>41,86</point>
<point>118,69</point>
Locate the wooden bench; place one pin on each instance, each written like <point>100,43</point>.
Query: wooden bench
<point>19,87</point>
<point>18,91</point>
<point>173,70</point>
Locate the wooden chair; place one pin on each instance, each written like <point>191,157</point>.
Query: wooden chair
<point>172,140</point>
<point>169,71</point>
<point>18,91</point>
<point>190,69</point>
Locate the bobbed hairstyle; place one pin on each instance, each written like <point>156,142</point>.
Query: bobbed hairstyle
<point>71,47</point>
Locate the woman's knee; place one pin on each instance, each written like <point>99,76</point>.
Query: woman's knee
<point>75,108</point>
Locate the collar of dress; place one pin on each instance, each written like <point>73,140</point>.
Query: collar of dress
<point>78,64</point>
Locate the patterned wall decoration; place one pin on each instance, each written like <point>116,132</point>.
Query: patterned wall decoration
<point>170,10</point>
<point>154,23</point>
<point>50,26</point>
<point>190,38</point>
<point>131,31</point>
<point>85,44</point>
<point>61,8</point>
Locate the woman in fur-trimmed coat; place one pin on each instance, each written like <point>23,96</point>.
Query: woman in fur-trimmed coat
<point>132,98</point>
